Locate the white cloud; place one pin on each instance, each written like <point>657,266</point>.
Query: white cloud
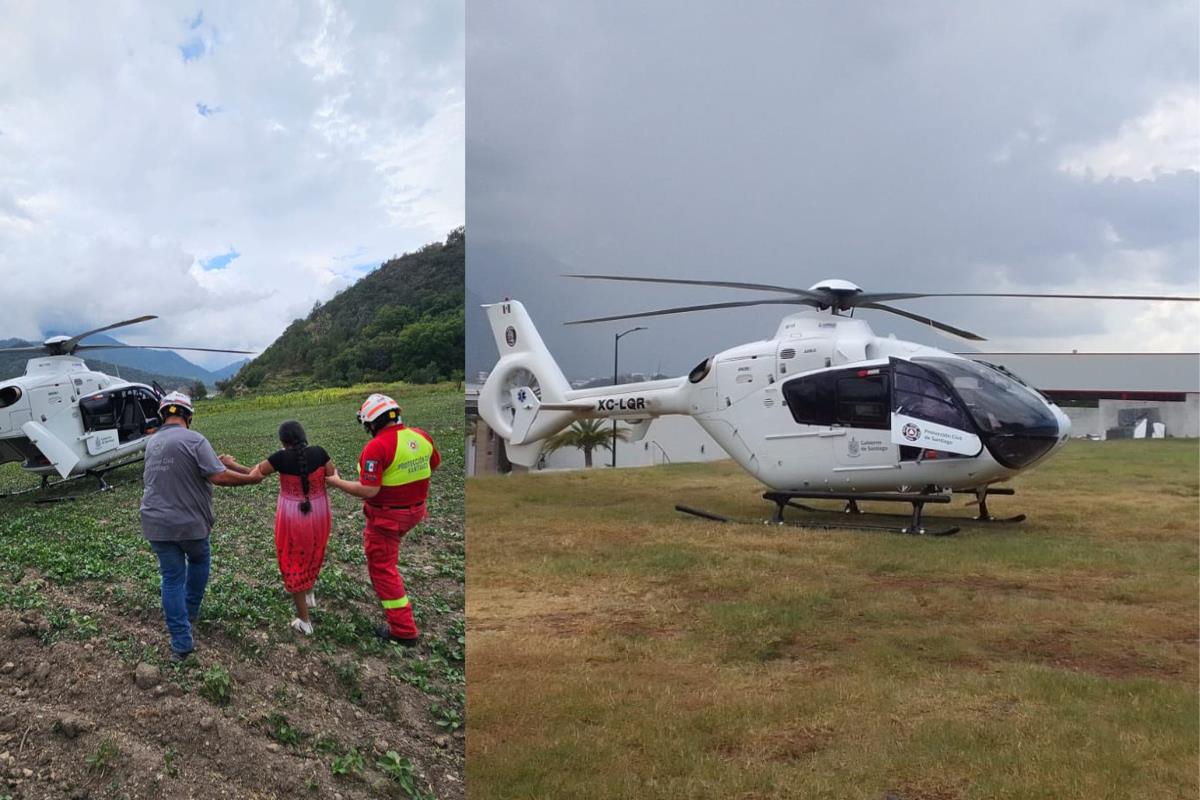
<point>339,131</point>
<point>1164,140</point>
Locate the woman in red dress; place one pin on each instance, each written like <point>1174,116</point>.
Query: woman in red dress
<point>302,516</point>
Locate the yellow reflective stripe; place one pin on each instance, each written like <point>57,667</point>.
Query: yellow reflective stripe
<point>401,603</point>
<point>411,464</point>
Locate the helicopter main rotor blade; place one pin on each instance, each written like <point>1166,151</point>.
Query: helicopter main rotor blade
<point>157,347</point>
<point>789,301</point>
<point>80,336</point>
<point>873,298</point>
<point>941,326</point>
<point>758,287</point>
<point>40,348</point>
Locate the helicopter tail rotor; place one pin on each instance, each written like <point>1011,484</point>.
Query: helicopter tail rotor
<point>525,378</point>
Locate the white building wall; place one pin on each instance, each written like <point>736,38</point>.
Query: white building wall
<point>673,439</point>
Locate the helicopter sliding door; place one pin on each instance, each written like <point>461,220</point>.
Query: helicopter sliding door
<point>851,405</point>
<point>116,417</point>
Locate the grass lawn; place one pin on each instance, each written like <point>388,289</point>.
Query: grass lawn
<point>617,649</point>
<point>295,715</point>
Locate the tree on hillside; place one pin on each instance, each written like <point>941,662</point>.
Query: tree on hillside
<point>199,391</point>
<point>402,321</point>
<point>586,435</point>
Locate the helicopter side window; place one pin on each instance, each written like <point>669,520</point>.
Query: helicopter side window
<point>97,412</point>
<point>845,398</point>
<point>862,401</point>
<point>812,400</point>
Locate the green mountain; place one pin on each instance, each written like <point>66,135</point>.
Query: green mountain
<point>401,322</point>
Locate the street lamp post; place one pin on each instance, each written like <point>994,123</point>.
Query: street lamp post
<point>616,343</point>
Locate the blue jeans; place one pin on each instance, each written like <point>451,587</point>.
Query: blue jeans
<point>184,570</point>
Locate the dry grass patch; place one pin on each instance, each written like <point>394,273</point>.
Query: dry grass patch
<point>617,649</point>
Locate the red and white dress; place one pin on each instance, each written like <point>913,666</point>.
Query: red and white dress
<point>300,538</point>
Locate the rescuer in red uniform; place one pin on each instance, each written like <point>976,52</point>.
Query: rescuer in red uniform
<point>394,472</point>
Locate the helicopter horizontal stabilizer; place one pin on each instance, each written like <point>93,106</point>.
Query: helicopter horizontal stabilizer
<point>61,456</point>
<point>636,430</point>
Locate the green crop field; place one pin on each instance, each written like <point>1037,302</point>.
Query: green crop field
<point>618,649</point>
<point>261,712</point>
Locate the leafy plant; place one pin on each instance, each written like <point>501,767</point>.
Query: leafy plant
<point>350,763</point>
<point>348,676</point>
<point>402,771</point>
<point>279,729</point>
<point>169,762</point>
<point>447,717</point>
<point>216,685</point>
<point>99,762</point>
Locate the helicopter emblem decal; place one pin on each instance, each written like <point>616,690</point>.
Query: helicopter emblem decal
<point>521,395</point>
<point>852,448</point>
<point>911,432</point>
<point>510,336</point>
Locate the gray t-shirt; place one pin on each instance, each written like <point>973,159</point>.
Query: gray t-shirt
<point>177,502</point>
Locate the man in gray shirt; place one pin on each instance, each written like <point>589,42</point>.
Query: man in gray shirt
<point>177,515</point>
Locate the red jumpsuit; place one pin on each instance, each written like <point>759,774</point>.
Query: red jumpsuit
<point>398,459</point>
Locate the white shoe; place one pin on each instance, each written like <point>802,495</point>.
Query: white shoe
<point>310,599</point>
<point>300,626</point>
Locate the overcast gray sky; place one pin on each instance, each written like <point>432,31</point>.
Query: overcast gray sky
<point>903,146</point>
<point>221,164</point>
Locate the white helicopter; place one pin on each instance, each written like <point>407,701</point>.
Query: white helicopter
<point>824,409</point>
<point>63,418</point>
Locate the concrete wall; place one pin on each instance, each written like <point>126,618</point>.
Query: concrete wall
<point>1182,419</point>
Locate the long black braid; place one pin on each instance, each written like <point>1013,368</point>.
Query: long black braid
<point>292,436</point>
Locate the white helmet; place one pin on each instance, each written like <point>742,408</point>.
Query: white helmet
<point>175,404</point>
<point>378,406</point>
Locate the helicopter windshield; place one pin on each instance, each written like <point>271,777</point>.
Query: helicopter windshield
<point>1016,422</point>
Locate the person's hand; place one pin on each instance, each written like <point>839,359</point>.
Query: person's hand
<point>333,473</point>
<point>227,459</point>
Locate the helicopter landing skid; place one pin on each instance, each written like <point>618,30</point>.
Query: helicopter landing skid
<point>852,508</point>
<point>102,484</point>
<point>783,500</point>
<point>915,527</point>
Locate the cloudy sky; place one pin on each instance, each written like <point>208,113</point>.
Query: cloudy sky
<point>903,146</point>
<point>222,165</point>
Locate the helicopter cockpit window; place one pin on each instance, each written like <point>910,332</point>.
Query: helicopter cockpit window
<point>919,394</point>
<point>1018,424</point>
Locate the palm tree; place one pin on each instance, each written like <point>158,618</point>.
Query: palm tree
<point>586,435</point>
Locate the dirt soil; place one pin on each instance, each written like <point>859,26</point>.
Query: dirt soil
<point>74,724</point>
